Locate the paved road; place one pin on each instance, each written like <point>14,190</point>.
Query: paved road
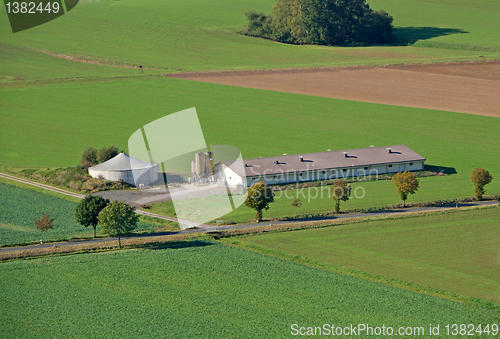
<point>221,228</point>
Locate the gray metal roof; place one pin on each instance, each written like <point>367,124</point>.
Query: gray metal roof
<point>326,160</point>
<point>122,162</point>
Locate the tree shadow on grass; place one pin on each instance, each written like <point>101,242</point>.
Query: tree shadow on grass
<point>406,36</point>
<point>180,244</point>
<point>409,35</point>
<point>440,169</point>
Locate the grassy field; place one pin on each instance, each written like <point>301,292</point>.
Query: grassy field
<point>20,208</point>
<point>457,251</point>
<point>443,138</point>
<point>445,23</point>
<point>317,200</point>
<point>202,289</point>
<point>197,35</point>
<point>49,123</point>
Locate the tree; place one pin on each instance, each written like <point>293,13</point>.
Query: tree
<point>341,191</point>
<point>118,219</point>
<point>296,203</point>
<point>406,183</point>
<point>88,209</point>
<point>286,20</point>
<point>324,22</point>
<point>480,177</point>
<point>375,27</point>
<point>89,156</point>
<point>107,153</point>
<point>259,196</point>
<point>43,224</point>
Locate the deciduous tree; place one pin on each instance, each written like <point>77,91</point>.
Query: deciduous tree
<point>341,191</point>
<point>324,22</point>
<point>406,183</point>
<point>259,196</point>
<point>480,178</point>
<point>44,223</point>
<point>89,156</point>
<point>88,209</point>
<point>118,219</point>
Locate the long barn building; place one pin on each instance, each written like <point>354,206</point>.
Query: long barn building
<point>286,169</point>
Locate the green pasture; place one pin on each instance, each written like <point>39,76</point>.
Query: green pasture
<point>203,289</point>
<point>171,36</point>
<point>457,251</point>
<point>318,200</point>
<point>458,24</point>
<point>20,208</point>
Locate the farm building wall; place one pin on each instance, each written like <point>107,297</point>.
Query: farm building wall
<point>233,179</point>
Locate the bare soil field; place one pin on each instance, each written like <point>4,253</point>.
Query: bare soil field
<point>472,87</point>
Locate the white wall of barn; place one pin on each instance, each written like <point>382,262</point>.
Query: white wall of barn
<point>234,179</point>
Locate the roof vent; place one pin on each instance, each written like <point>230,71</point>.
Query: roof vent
<point>345,154</point>
<point>389,150</point>
<point>301,159</point>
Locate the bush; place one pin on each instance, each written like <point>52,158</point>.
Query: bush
<point>258,24</point>
<point>89,156</point>
<point>107,153</point>
<point>94,184</point>
<point>118,184</point>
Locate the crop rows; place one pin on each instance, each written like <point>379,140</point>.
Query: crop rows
<point>201,288</point>
<point>20,208</point>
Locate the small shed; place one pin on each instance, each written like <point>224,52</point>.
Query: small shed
<point>130,170</point>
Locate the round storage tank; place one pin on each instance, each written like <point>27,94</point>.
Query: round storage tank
<point>124,167</point>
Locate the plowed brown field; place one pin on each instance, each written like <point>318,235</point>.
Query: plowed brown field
<point>458,87</point>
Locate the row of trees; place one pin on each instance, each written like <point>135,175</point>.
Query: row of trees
<point>116,218</point>
<point>260,195</point>
<point>324,22</point>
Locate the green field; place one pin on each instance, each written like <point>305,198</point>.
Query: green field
<point>202,289</point>
<point>69,122</point>
<point>51,109</point>
<point>49,123</point>
<point>20,208</point>
<point>457,251</point>
<point>199,35</point>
